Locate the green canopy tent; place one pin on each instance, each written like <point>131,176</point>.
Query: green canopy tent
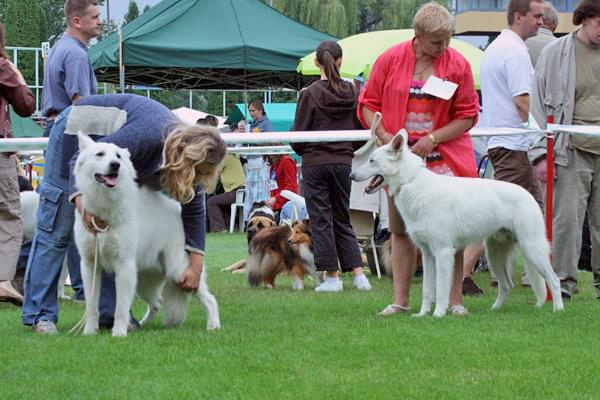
<point>23,127</point>
<point>208,44</point>
<point>360,52</point>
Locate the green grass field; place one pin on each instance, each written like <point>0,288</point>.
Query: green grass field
<point>280,344</point>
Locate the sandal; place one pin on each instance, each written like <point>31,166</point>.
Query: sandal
<point>392,309</point>
<point>459,310</point>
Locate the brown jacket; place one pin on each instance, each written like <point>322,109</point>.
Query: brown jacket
<point>14,93</point>
<point>320,108</point>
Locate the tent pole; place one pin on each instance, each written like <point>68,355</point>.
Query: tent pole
<point>121,67</point>
<point>224,103</point>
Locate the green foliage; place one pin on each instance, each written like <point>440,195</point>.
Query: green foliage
<point>386,14</point>
<point>108,28</point>
<point>328,16</point>
<point>53,23</point>
<point>283,344</point>
<point>23,30</point>
<point>132,12</point>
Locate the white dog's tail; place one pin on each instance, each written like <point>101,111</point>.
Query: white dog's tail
<point>175,304</point>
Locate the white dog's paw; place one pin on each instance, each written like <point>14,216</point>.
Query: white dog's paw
<point>213,325</point>
<point>496,306</point>
<point>439,312</point>
<point>420,314</point>
<point>88,331</point>
<point>119,332</point>
<point>298,285</point>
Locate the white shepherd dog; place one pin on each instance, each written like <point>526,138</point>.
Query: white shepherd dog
<point>444,214</point>
<point>143,246</point>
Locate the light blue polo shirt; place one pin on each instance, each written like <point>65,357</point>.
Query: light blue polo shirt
<point>68,72</point>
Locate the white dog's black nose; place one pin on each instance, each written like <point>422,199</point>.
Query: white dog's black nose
<point>114,166</point>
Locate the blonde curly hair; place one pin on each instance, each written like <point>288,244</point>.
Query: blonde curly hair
<point>191,157</point>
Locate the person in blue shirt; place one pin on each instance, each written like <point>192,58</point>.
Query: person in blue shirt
<point>260,121</point>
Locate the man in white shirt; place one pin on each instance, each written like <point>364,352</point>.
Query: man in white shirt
<point>506,81</point>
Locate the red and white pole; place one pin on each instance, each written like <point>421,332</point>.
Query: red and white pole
<point>549,189</point>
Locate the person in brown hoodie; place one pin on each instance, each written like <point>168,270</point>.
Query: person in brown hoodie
<point>329,104</point>
<point>14,92</point>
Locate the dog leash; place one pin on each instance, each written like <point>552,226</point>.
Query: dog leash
<point>76,330</point>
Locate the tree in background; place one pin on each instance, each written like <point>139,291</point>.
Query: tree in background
<point>52,23</point>
<point>132,12</point>
<point>329,16</point>
<point>23,31</point>
<point>341,18</point>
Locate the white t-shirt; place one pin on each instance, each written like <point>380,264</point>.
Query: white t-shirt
<point>505,73</point>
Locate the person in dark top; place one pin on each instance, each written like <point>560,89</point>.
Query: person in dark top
<point>329,104</point>
<point>167,156</point>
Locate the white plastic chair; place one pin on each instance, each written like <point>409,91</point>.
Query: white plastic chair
<point>239,203</point>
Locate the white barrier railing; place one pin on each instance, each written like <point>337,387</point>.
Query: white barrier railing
<point>23,144</point>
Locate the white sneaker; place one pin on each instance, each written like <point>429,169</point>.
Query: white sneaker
<point>361,283</point>
<point>330,285</point>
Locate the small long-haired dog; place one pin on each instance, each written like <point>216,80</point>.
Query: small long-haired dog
<point>260,217</point>
<point>281,249</point>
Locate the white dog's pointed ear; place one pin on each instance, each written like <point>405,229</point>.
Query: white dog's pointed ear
<point>375,123</point>
<point>398,141</point>
<point>84,140</point>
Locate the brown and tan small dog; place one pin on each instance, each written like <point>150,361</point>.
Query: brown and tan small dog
<point>281,249</point>
<point>261,217</point>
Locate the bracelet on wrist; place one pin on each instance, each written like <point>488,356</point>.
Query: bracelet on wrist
<point>433,139</point>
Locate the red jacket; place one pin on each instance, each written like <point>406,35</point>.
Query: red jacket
<point>286,177</point>
<point>14,93</point>
<point>387,91</point>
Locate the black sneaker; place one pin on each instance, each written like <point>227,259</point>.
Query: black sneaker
<point>470,288</point>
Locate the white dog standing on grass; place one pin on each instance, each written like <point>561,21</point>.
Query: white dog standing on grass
<point>144,244</point>
<point>444,214</point>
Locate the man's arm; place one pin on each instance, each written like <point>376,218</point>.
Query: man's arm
<point>522,104</point>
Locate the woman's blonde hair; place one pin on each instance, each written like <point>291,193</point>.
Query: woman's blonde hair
<point>191,156</point>
<point>432,18</point>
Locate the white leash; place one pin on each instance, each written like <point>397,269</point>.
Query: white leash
<point>79,325</point>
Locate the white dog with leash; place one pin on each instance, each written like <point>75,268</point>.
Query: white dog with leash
<point>144,243</point>
<point>444,214</point>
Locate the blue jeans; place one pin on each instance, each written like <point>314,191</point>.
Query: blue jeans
<point>54,234</point>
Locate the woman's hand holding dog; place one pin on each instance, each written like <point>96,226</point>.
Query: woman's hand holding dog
<point>422,147</point>
<point>190,279</point>
<point>91,222</point>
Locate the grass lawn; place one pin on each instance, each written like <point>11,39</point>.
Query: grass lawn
<point>280,344</point>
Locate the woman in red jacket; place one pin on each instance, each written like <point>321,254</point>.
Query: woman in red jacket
<point>437,127</point>
<point>14,92</point>
<point>329,104</point>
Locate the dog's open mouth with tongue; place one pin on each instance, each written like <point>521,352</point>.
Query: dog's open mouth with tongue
<point>108,180</point>
<point>374,184</point>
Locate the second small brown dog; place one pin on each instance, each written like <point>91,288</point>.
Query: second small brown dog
<point>281,249</point>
